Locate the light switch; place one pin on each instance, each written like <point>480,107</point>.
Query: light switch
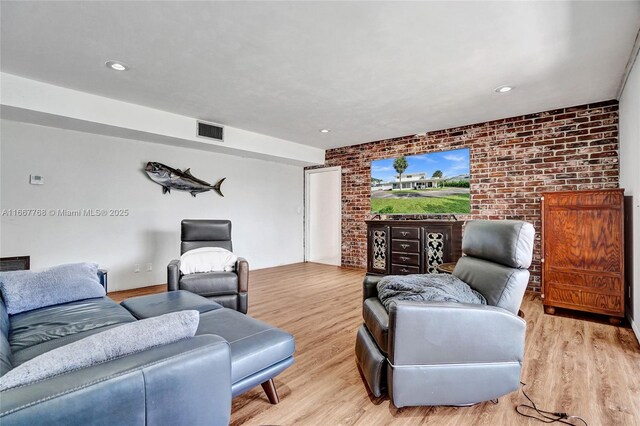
<point>36,180</point>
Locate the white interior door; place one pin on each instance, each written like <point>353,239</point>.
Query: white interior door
<point>323,215</point>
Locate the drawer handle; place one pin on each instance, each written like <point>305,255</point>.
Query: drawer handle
<point>404,234</point>
<point>404,270</point>
<point>404,245</point>
<point>404,258</point>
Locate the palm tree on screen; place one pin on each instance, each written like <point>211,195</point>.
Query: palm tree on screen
<point>400,165</point>
<point>437,174</point>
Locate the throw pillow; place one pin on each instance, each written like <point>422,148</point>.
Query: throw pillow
<point>27,290</point>
<point>207,259</point>
<point>114,343</point>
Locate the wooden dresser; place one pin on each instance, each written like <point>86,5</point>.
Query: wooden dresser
<point>583,252</point>
<point>400,247</point>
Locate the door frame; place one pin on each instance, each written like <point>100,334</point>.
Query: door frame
<point>307,173</point>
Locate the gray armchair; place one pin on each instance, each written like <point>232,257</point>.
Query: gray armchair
<point>230,289</point>
<point>436,353</point>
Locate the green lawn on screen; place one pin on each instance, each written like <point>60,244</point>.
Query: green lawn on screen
<point>458,203</point>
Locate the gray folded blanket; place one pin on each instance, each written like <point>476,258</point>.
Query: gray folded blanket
<point>427,288</point>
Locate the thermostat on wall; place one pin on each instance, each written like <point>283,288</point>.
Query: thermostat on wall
<point>36,180</point>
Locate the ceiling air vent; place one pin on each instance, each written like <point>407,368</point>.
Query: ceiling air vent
<point>210,131</point>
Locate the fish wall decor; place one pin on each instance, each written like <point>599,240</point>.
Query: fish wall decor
<point>170,178</point>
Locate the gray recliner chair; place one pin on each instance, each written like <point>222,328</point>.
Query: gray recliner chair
<point>441,353</point>
<point>230,289</point>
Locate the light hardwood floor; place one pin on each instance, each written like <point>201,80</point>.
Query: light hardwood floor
<point>580,367</point>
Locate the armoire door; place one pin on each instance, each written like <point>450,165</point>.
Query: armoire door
<point>379,260</point>
<point>583,251</point>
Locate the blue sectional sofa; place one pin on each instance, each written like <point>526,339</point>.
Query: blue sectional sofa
<point>189,382</point>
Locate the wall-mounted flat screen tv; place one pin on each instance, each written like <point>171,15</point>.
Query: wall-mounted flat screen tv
<point>432,183</point>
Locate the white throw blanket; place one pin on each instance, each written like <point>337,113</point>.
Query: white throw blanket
<point>207,259</point>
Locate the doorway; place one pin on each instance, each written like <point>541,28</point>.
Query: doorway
<point>323,215</point>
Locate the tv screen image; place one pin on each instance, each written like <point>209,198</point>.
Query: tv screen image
<point>432,183</point>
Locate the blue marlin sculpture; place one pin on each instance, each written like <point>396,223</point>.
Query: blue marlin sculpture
<point>169,178</point>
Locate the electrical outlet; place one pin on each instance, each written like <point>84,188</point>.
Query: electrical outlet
<point>136,267</point>
<point>149,267</point>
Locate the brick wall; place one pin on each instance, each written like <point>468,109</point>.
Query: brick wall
<point>513,160</point>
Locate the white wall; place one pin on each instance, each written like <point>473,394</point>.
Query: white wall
<point>630,172</point>
<point>86,171</point>
<point>36,102</point>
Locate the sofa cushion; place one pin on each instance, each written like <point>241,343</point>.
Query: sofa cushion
<point>210,283</point>
<point>27,290</point>
<point>376,318</point>
<point>43,329</point>
<point>162,303</point>
<point>6,356</point>
<point>117,342</point>
<point>5,325</point>
<point>255,345</point>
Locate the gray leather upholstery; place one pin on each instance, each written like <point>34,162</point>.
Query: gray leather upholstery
<point>369,286</point>
<point>54,326</point>
<point>500,285</point>
<point>372,362</point>
<point>173,275</point>
<point>232,301</point>
<point>438,353</point>
<point>187,382</point>
<point>376,319</point>
<point>259,351</point>
<point>6,356</point>
<point>451,384</point>
<point>225,283</point>
<point>250,382</point>
<point>255,345</point>
<point>483,328</point>
<point>205,233</point>
<point>509,242</point>
<point>139,389</point>
<point>154,305</point>
<point>230,289</point>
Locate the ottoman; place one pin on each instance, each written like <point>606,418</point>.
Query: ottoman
<point>259,351</point>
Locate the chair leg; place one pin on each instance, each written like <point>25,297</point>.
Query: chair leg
<point>270,389</point>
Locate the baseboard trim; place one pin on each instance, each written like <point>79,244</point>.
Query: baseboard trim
<point>636,329</point>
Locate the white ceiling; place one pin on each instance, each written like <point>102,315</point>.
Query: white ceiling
<point>365,70</point>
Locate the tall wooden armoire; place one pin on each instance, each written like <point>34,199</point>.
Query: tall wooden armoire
<point>583,252</point>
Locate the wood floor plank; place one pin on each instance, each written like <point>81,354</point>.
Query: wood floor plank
<point>580,367</point>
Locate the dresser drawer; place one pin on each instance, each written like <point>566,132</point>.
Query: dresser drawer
<point>406,233</point>
<point>584,280</point>
<point>407,246</point>
<point>584,300</point>
<point>403,270</point>
<point>405,259</point>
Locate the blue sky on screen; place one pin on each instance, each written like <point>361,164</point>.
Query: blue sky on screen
<point>452,163</point>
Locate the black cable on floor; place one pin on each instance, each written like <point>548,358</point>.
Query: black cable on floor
<point>545,416</point>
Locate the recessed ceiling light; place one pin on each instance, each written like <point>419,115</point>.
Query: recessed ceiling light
<point>504,89</point>
<point>116,65</point>
<point>325,130</point>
